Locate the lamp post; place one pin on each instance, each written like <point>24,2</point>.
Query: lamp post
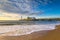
<point>21,17</point>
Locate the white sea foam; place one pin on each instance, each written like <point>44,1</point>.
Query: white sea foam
<point>17,30</point>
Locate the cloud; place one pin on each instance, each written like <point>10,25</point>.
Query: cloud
<point>37,3</point>
<point>9,16</point>
<point>15,6</point>
<point>23,7</point>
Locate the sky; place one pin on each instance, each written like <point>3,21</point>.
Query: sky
<point>14,9</point>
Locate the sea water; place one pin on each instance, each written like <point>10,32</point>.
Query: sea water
<point>27,28</point>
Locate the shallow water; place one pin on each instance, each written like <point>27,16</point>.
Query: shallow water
<point>16,30</point>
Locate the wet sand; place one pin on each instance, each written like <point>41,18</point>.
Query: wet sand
<point>40,35</point>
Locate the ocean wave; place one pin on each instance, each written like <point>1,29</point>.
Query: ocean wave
<point>17,30</point>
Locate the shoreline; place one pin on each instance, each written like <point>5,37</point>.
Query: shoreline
<point>32,36</point>
<point>19,30</point>
<point>40,35</point>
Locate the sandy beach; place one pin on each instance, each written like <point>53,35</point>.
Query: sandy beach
<point>40,35</point>
<point>29,19</point>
